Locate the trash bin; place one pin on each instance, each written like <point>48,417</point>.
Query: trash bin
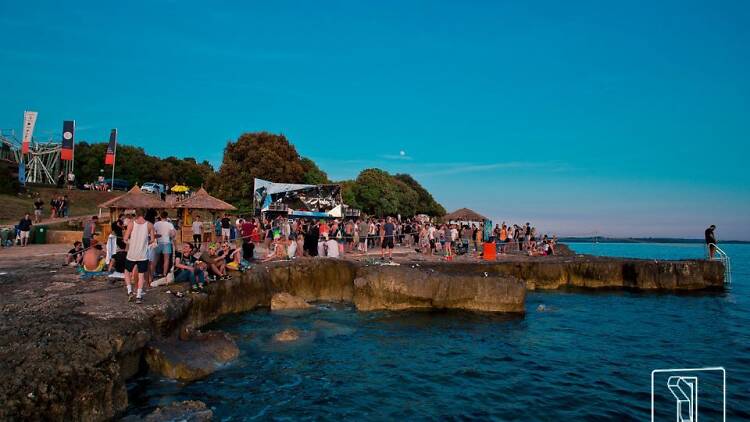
<point>40,235</point>
<point>489,251</point>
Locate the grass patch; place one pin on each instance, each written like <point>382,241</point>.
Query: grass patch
<point>82,202</point>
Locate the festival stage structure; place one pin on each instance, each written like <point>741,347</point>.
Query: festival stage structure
<point>42,162</point>
<point>297,200</point>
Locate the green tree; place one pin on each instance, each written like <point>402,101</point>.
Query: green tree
<point>313,174</point>
<point>261,154</point>
<point>426,204</point>
<point>378,193</point>
<point>347,193</point>
<point>135,166</point>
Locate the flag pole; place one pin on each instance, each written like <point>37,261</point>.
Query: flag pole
<point>114,161</point>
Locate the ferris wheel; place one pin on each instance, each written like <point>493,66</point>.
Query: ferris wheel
<point>42,163</point>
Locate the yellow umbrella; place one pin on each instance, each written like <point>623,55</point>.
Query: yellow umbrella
<point>180,188</point>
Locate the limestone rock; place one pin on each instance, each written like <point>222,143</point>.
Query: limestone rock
<point>283,301</point>
<point>189,411</point>
<point>192,359</point>
<point>290,334</point>
<point>397,288</point>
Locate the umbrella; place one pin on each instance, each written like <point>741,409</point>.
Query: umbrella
<point>180,188</point>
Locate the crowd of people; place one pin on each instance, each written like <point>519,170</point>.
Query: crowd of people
<point>285,238</point>
<point>142,250</point>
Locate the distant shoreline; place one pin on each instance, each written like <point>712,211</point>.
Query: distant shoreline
<point>593,239</point>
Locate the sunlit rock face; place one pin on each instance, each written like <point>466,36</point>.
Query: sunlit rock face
<point>284,301</point>
<point>192,359</point>
<point>397,288</point>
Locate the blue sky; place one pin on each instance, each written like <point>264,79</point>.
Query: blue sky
<point>628,118</point>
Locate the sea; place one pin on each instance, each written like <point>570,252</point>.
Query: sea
<point>576,355</point>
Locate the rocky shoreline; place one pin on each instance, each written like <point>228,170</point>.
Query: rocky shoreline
<point>67,347</point>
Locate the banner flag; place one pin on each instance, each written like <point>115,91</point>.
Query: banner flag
<point>69,127</point>
<point>109,159</point>
<point>29,120</point>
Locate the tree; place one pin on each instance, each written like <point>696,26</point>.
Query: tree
<point>347,193</point>
<point>379,193</point>
<point>313,174</point>
<point>135,166</point>
<point>426,204</point>
<point>262,155</point>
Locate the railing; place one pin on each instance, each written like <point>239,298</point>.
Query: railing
<point>724,258</point>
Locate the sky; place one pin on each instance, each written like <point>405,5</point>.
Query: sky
<point>586,117</point>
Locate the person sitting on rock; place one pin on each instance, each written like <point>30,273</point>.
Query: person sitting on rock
<point>187,268</point>
<point>75,255</point>
<point>277,251</point>
<point>117,263</point>
<point>93,258</point>
<point>215,263</point>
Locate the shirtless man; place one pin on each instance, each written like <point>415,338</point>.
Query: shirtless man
<point>93,258</point>
<point>137,237</point>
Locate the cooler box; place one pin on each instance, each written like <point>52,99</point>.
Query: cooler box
<point>489,251</point>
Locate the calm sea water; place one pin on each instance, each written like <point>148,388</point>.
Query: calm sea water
<point>588,356</point>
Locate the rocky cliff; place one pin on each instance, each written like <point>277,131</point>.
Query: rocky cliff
<point>597,272</point>
<point>67,347</point>
<point>396,288</point>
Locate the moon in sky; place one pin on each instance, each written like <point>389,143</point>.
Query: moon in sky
<point>402,153</point>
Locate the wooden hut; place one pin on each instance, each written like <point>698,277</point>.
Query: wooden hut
<point>132,199</point>
<point>464,215</point>
<point>202,201</point>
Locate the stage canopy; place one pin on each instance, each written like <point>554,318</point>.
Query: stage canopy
<point>297,200</point>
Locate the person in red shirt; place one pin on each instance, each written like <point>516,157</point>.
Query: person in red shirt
<point>247,230</point>
<point>323,229</point>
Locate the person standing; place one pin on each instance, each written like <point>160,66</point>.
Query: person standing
<point>115,234</point>
<point>165,232</point>
<point>711,241</point>
<point>387,240</point>
<point>24,227</point>
<point>53,207</point>
<point>364,229</point>
<point>478,239</point>
<point>38,204</point>
<point>137,237</point>
<point>431,236</point>
<point>226,228</point>
<point>65,206</point>
<point>89,231</point>
<point>246,234</point>
<point>197,227</point>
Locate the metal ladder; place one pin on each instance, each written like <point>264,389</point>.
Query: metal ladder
<point>724,258</point>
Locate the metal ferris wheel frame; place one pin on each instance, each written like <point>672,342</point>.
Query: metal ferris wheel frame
<point>42,162</point>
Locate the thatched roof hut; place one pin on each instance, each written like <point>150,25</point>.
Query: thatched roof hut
<point>201,200</point>
<point>135,199</point>
<point>464,214</point>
